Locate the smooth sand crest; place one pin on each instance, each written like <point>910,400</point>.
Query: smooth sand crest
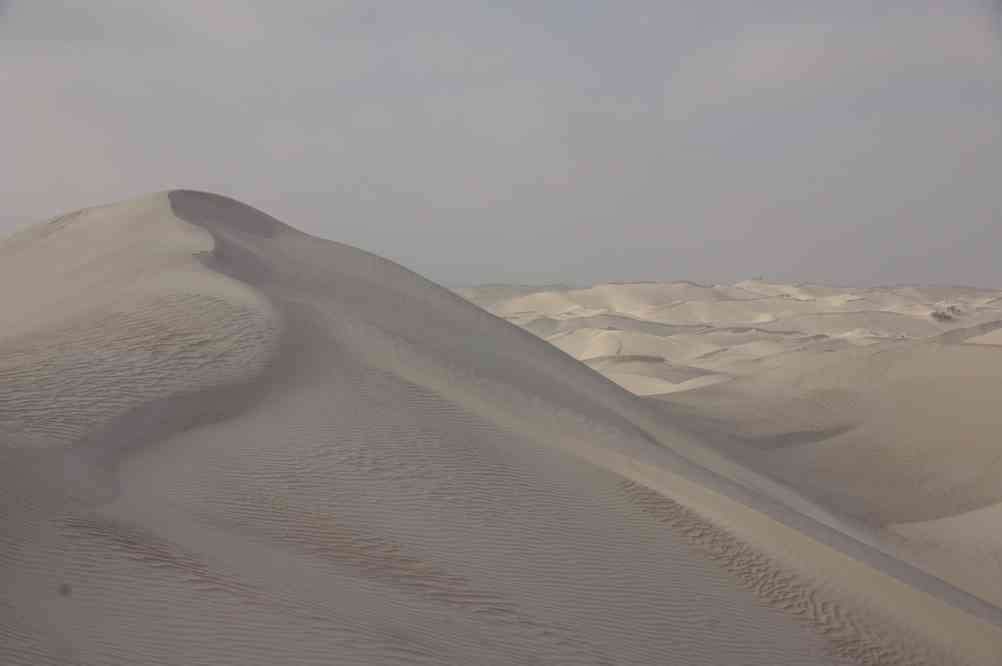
<point>225,441</point>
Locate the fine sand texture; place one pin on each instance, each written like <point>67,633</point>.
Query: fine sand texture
<point>223,441</point>
<point>882,405</point>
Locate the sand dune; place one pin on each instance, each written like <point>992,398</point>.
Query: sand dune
<point>586,343</point>
<point>904,438</point>
<point>731,329</point>
<point>625,297</point>
<point>225,441</point>
<point>880,404</point>
<point>646,375</point>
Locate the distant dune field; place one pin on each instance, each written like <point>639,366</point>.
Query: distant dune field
<point>884,405</point>
<point>223,441</point>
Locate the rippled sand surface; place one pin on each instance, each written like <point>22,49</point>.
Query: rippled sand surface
<point>226,442</point>
<point>880,404</point>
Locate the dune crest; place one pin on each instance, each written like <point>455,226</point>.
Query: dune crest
<point>226,441</point>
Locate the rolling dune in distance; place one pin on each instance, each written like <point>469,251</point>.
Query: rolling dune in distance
<point>879,404</point>
<point>223,441</point>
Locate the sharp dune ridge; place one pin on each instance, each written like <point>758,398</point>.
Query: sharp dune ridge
<point>226,441</point>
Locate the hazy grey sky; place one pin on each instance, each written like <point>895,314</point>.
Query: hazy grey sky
<point>534,141</point>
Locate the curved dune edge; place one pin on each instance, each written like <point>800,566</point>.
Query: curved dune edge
<point>112,316</point>
<point>867,615</point>
<point>917,457</point>
<point>878,403</point>
<point>871,626</point>
<point>962,549</point>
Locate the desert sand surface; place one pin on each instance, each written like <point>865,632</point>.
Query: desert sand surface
<point>883,405</point>
<point>730,330</point>
<point>223,441</point>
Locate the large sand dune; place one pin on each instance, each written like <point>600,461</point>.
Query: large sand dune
<point>881,405</point>
<point>226,442</point>
<point>904,437</point>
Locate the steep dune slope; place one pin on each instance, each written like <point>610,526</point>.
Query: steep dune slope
<point>225,441</point>
<point>904,437</point>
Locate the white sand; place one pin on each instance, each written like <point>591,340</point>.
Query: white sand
<point>224,441</point>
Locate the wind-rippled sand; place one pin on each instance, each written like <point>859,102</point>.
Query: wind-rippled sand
<point>880,404</point>
<point>223,441</point>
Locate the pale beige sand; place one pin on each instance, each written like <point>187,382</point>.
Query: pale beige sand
<point>586,343</point>
<point>227,442</point>
<point>626,297</point>
<point>731,329</point>
<point>880,404</point>
<point>903,437</point>
<point>993,338</point>
<point>641,384</point>
<point>652,375</point>
<point>965,548</point>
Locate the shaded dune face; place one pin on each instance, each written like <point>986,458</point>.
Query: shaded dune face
<point>224,441</point>
<point>904,438</point>
<point>879,404</point>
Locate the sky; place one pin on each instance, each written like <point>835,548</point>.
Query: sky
<point>534,142</point>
